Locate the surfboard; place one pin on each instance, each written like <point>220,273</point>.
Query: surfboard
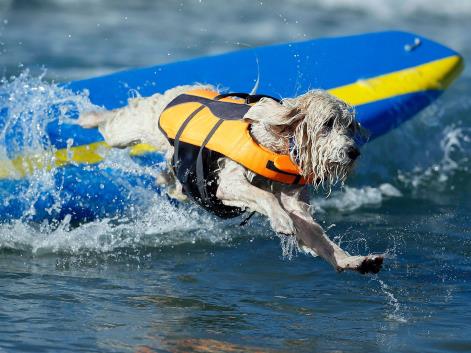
<point>387,76</point>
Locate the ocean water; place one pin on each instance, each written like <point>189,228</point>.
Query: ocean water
<point>177,280</point>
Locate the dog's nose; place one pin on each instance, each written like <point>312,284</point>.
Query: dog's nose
<point>353,153</point>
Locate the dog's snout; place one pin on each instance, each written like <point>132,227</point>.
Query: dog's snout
<point>353,153</point>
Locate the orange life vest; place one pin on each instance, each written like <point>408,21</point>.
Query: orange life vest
<point>203,126</point>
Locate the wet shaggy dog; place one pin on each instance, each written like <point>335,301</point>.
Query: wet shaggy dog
<point>315,129</point>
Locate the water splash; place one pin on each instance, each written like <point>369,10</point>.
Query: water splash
<point>29,105</point>
<point>161,225</point>
<point>396,312</point>
<point>290,246</point>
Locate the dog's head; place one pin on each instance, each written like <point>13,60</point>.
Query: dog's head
<point>318,130</point>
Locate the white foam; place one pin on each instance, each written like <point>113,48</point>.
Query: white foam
<point>396,8</point>
<point>455,146</point>
<point>351,198</point>
<point>161,225</point>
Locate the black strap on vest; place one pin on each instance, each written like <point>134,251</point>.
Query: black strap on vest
<point>176,142</point>
<point>199,164</point>
<point>247,219</point>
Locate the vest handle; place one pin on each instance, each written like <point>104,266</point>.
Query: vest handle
<point>249,98</point>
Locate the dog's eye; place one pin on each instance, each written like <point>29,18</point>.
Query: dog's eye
<point>329,124</point>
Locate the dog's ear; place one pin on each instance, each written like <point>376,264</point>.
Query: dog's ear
<point>270,112</point>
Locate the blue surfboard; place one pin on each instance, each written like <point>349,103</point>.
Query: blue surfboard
<point>388,77</point>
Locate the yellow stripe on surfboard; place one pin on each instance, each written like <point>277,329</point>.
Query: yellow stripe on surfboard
<point>435,75</point>
<point>92,153</point>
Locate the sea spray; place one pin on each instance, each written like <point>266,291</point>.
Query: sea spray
<point>396,312</point>
<point>30,104</point>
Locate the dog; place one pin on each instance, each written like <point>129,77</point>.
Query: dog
<point>315,132</point>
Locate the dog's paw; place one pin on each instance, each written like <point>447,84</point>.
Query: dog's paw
<point>371,264</point>
<point>362,264</point>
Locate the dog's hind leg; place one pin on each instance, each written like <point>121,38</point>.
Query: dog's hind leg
<point>127,126</point>
<point>93,119</point>
<point>311,235</point>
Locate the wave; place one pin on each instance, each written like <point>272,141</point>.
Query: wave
<point>439,176</point>
<point>161,225</point>
<point>384,9</point>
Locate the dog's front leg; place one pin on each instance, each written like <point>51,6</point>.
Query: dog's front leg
<point>235,190</point>
<point>311,235</point>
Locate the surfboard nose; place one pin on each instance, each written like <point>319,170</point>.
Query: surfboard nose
<point>448,70</point>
